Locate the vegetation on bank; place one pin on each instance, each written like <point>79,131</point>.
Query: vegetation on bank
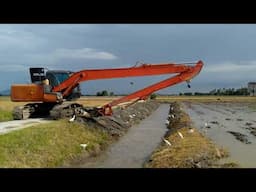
<point>49,145</point>
<point>6,107</point>
<point>193,151</point>
<point>5,115</point>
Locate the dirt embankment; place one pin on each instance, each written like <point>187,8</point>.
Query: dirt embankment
<point>185,147</point>
<point>122,119</point>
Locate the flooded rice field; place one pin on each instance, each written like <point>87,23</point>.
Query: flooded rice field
<point>230,125</point>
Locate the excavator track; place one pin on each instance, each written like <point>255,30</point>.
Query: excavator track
<point>68,110</point>
<point>31,110</point>
<point>54,111</point>
<point>21,112</point>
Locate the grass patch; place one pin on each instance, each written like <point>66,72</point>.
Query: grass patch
<point>185,153</point>
<point>7,105</point>
<point>5,115</point>
<point>48,145</point>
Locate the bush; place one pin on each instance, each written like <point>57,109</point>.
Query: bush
<point>188,94</point>
<point>153,96</point>
<point>102,93</point>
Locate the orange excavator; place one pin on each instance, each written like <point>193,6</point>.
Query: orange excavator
<point>49,89</point>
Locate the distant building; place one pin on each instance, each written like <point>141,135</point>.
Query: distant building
<point>252,88</point>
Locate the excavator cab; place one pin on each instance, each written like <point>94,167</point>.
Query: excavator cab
<point>56,77</point>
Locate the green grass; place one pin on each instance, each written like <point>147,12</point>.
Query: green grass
<point>4,98</point>
<point>48,145</point>
<point>5,115</point>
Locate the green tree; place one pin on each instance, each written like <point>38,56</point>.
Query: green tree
<point>104,93</point>
<point>153,96</point>
<point>188,93</point>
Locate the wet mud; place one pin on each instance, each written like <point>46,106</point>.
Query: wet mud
<point>232,125</point>
<point>241,137</point>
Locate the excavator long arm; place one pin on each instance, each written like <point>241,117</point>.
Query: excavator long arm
<point>67,86</point>
<point>144,93</point>
<point>186,73</point>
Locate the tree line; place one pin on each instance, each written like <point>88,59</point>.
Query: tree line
<point>104,93</point>
<point>219,92</point>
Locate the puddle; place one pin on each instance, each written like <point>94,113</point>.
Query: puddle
<point>8,126</point>
<point>133,149</point>
<point>231,128</point>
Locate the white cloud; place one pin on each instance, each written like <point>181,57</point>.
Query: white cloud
<point>50,58</point>
<point>84,53</point>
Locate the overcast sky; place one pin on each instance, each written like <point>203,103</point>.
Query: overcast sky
<point>228,51</point>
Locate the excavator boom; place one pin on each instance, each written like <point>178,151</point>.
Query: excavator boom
<point>143,70</point>
<point>144,93</point>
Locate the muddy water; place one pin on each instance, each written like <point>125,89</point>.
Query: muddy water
<point>133,149</point>
<point>215,120</point>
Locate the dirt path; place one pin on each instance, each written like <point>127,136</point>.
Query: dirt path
<point>133,149</point>
<point>8,126</point>
<point>231,125</point>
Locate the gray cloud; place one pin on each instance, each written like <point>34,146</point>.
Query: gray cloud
<point>84,53</point>
<point>228,51</point>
